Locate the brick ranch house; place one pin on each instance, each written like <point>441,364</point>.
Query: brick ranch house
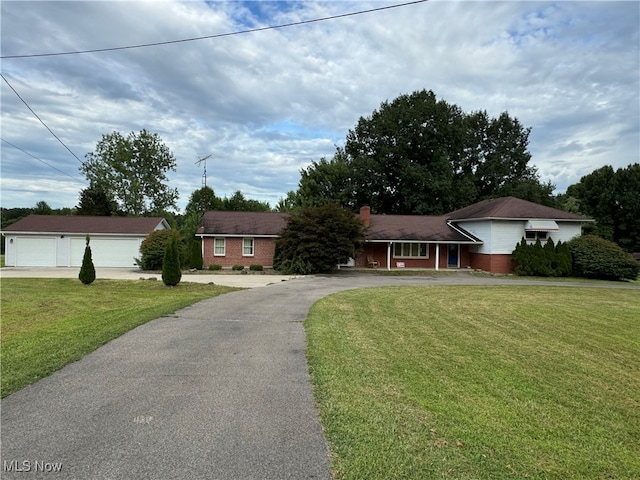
<point>480,236</point>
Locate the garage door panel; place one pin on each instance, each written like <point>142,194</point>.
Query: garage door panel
<point>111,252</point>
<point>36,252</point>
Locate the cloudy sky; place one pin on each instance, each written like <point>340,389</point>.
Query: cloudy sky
<point>265,104</point>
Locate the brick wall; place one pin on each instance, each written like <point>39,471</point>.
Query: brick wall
<point>263,251</point>
<point>491,263</point>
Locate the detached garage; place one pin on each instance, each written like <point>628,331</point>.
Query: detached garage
<point>59,241</point>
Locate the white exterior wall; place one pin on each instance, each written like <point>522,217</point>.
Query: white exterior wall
<point>68,250</point>
<point>502,236</point>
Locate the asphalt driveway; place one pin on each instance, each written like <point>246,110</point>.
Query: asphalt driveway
<point>219,390</point>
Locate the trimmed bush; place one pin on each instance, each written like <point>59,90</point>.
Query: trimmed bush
<point>171,272</point>
<point>153,247</point>
<point>255,267</point>
<point>87,271</point>
<point>215,266</point>
<point>237,267</point>
<point>541,261</point>
<point>595,257</point>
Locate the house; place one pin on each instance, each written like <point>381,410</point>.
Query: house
<point>59,241</point>
<point>481,236</point>
<point>240,238</point>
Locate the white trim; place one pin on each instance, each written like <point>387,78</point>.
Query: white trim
<point>234,235</point>
<point>253,247</point>
<point>224,247</point>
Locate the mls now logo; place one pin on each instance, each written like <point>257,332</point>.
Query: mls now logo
<point>28,466</point>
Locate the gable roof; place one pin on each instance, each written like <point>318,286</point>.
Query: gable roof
<point>512,208</point>
<point>416,228</point>
<point>87,225</point>
<point>254,224</point>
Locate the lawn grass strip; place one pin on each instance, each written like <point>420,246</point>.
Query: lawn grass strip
<point>500,381</point>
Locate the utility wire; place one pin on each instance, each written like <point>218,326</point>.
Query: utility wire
<point>39,119</point>
<point>40,160</point>
<point>220,35</point>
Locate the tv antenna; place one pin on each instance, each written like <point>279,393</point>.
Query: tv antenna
<point>204,174</point>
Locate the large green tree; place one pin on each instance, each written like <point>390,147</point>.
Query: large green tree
<point>132,170</point>
<point>421,155</point>
<point>612,199</point>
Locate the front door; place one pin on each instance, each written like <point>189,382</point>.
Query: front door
<point>453,256</point>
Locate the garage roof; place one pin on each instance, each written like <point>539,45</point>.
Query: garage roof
<point>87,225</point>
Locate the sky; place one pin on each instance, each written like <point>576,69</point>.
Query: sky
<point>265,104</point>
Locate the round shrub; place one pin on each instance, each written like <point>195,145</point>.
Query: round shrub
<point>237,267</point>
<point>255,267</point>
<point>215,266</point>
<point>153,247</point>
<point>595,257</point>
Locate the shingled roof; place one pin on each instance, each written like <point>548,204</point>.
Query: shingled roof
<point>512,208</point>
<point>86,225</point>
<point>415,228</point>
<point>254,224</point>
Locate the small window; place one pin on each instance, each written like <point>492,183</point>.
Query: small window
<point>411,250</point>
<point>218,247</point>
<point>533,235</point>
<point>247,247</point>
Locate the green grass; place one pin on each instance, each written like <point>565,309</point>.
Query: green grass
<point>479,382</point>
<point>48,323</point>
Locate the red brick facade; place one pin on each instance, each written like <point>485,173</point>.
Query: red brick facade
<point>495,263</point>
<point>263,251</point>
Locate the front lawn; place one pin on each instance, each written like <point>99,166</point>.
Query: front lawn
<point>48,323</point>
<point>479,382</point>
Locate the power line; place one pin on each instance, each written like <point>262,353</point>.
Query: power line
<point>39,119</point>
<point>220,35</point>
<point>40,160</point>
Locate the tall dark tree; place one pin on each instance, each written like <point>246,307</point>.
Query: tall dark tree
<point>203,200</point>
<point>421,155</point>
<point>239,203</point>
<point>43,208</point>
<point>133,171</point>
<point>326,181</point>
<point>612,198</point>
<point>94,201</point>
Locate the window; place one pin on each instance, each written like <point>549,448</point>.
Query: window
<point>410,250</point>
<point>247,247</point>
<point>533,235</point>
<point>218,247</point>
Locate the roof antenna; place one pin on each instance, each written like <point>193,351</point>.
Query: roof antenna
<point>204,174</point>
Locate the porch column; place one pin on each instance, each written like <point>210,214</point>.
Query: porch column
<point>389,255</point>
<point>437,256</point>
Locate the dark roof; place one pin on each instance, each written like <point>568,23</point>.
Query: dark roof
<point>242,223</point>
<point>511,208</point>
<point>86,225</point>
<point>416,228</point>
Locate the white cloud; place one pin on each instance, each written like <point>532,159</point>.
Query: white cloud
<point>266,104</point>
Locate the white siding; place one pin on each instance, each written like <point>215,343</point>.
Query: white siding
<point>501,236</point>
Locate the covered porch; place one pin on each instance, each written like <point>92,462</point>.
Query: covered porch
<point>414,254</point>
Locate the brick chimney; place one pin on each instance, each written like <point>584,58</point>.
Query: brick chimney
<point>365,214</point>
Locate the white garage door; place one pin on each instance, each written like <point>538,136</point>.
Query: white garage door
<point>106,252</point>
<point>35,252</point>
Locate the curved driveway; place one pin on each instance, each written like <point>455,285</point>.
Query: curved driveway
<point>219,390</point>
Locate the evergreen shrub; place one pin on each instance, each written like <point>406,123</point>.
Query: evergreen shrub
<point>595,257</point>
<point>171,272</point>
<point>87,271</point>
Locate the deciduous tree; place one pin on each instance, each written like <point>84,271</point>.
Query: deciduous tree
<point>133,171</point>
